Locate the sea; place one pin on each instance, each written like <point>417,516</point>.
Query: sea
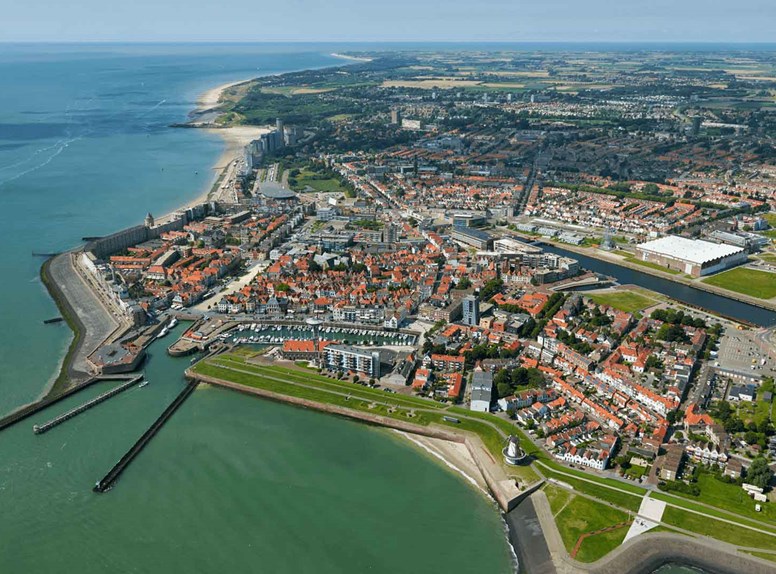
<point>231,483</point>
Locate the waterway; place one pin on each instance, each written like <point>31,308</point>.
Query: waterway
<point>679,291</point>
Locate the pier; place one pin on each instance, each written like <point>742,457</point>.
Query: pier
<point>30,410</point>
<point>40,429</point>
<point>105,483</point>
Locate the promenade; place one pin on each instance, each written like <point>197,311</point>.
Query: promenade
<point>92,321</point>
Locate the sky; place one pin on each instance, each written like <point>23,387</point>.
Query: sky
<point>388,20</point>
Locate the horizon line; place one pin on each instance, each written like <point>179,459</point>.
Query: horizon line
<point>343,42</point>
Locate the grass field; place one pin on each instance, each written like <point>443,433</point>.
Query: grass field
<point>623,499</point>
<point>717,529</point>
<point>583,516</point>
<point>627,301</point>
<point>765,555</point>
<point>308,178</point>
<point>752,282</point>
<point>557,496</point>
<point>730,497</point>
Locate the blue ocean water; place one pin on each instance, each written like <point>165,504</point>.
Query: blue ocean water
<point>85,149</point>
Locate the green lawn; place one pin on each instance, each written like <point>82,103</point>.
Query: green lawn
<point>627,301</point>
<point>582,516</point>
<point>717,529</point>
<point>557,497</point>
<point>730,497</point>
<point>765,555</point>
<point>752,282</point>
<point>599,545</point>
<point>316,181</point>
<point>714,512</point>
<point>548,460</point>
<point>623,499</point>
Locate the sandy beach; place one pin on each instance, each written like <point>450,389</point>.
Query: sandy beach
<point>352,58</point>
<point>235,138</point>
<point>453,455</point>
<point>210,98</point>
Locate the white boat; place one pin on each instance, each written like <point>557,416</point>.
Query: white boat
<point>143,384</point>
<point>163,333</point>
<point>173,322</point>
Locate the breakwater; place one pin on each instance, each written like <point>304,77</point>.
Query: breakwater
<point>106,482</point>
<point>40,429</point>
<point>29,410</point>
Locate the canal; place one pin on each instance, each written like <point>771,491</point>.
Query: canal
<point>715,303</point>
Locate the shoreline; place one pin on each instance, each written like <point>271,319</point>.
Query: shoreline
<point>233,140</point>
<point>351,58</point>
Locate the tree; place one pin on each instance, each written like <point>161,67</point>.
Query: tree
<point>491,288</point>
<point>464,283</point>
<point>758,473</point>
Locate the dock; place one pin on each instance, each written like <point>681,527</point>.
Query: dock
<point>106,482</point>
<point>40,429</point>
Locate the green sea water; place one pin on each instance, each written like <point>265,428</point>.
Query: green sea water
<point>232,483</point>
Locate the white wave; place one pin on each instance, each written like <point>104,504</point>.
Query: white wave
<point>44,163</point>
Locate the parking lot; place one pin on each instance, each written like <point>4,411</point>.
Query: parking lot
<point>741,351</point>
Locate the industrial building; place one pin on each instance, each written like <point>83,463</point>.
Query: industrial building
<point>691,256</point>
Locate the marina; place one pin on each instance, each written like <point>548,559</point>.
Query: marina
<point>266,334</point>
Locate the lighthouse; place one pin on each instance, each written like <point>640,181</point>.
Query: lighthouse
<point>513,454</point>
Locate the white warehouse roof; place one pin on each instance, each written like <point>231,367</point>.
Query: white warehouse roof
<point>692,250</point>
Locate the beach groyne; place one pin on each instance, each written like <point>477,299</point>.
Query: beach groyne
<point>106,482</point>
<point>40,429</point>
